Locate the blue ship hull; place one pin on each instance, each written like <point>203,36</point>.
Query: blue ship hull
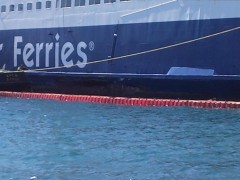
<point>219,53</point>
<point>202,45</point>
<point>147,86</point>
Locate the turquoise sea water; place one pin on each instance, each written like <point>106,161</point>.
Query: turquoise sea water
<point>42,139</point>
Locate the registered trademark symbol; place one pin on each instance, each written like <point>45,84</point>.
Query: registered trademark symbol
<point>91,45</point>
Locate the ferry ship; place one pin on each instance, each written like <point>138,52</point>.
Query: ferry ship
<point>133,48</point>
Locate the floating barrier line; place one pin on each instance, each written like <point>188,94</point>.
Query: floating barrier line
<point>124,101</point>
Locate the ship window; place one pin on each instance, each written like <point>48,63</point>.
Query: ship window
<point>79,2</point>
<point>65,3</point>
<point>48,4</point>
<point>3,8</point>
<point>109,1</point>
<point>91,2</point>
<point>57,3</point>
<point>38,5</point>
<point>29,6</point>
<point>11,7</point>
<point>20,7</point>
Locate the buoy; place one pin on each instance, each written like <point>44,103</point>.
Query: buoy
<point>33,178</point>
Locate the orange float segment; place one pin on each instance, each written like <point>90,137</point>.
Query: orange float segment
<point>125,101</point>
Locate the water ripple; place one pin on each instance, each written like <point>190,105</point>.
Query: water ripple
<point>43,139</point>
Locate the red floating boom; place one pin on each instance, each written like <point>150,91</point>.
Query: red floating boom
<point>125,101</point>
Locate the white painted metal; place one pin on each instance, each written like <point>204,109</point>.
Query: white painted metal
<point>123,12</point>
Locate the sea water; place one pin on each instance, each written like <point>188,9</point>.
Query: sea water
<point>43,139</point>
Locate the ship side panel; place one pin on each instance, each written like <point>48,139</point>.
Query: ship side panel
<point>91,47</point>
<point>57,47</point>
<point>204,44</point>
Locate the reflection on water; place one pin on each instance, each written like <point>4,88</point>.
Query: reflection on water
<point>60,140</point>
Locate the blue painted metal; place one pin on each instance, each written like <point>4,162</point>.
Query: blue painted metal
<point>143,75</point>
<point>129,85</point>
<point>219,53</point>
